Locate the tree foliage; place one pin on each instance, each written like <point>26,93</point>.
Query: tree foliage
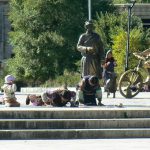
<point>113,30</point>
<point>119,48</point>
<point>110,24</point>
<point>45,34</point>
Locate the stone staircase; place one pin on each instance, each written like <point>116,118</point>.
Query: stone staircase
<point>74,123</point>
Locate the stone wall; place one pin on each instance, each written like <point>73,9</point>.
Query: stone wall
<point>5,48</point>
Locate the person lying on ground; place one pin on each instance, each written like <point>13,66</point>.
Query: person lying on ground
<point>58,98</point>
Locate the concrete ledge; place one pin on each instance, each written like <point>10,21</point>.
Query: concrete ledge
<point>73,113</point>
<point>33,90</point>
<point>74,123</point>
<point>40,89</point>
<point>74,133</point>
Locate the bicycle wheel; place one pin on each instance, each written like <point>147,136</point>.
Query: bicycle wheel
<point>130,83</point>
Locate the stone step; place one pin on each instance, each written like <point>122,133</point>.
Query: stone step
<point>73,123</point>
<point>74,133</point>
<point>73,113</point>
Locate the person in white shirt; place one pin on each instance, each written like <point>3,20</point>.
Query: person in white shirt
<point>9,89</point>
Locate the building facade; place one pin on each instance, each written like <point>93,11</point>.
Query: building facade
<point>141,10</point>
<point>5,48</point>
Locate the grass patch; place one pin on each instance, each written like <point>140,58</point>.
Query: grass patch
<point>69,79</point>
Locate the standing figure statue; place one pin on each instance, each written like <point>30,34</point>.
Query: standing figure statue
<point>91,48</point>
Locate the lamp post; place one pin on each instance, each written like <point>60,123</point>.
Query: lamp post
<point>129,6</point>
<point>89,9</point>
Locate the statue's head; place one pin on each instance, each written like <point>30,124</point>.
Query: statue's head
<point>89,25</point>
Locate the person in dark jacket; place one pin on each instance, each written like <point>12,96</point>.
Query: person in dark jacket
<point>109,74</point>
<point>109,65</point>
<point>89,90</point>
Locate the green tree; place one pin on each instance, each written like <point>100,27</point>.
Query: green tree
<point>119,48</point>
<point>113,30</point>
<point>108,24</point>
<point>45,34</point>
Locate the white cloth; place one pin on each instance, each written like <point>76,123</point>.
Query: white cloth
<point>9,91</point>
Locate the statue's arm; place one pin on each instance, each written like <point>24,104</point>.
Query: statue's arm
<point>80,46</point>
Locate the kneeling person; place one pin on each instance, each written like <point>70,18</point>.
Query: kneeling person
<point>9,88</point>
<point>89,90</point>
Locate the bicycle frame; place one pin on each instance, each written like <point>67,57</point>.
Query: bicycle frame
<point>131,81</point>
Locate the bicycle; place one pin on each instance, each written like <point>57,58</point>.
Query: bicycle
<point>131,81</point>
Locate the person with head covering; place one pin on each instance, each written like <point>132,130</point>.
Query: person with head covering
<point>92,51</point>
<point>58,98</point>
<point>9,89</point>
<point>108,69</point>
<point>89,90</point>
<point>109,65</point>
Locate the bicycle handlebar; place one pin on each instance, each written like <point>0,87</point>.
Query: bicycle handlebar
<point>140,56</point>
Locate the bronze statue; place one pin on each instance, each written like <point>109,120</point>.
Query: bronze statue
<point>91,48</point>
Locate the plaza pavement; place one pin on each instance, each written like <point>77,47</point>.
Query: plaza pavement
<point>81,144</point>
<point>141,101</point>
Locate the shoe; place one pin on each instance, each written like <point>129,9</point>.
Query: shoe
<point>100,104</point>
<point>74,104</point>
